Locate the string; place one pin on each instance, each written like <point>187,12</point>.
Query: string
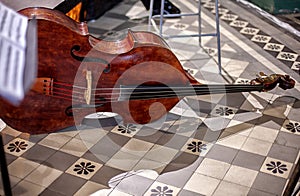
<point>156,92</point>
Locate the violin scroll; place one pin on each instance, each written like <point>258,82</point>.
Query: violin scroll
<point>269,82</point>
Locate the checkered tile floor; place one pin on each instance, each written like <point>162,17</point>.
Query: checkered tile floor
<point>228,144</point>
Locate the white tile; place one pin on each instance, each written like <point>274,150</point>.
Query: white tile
<point>161,154</point>
<point>229,17</point>
<point>264,133</point>
<point>239,23</point>
<point>213,168</point>
<point>123,161</point>
<point>235,67</point>
<point>240,175</point>
<point>18,146</point>
<point>287,56</point>
<point>133,184</point>
<point>194,146</point>
<point>55,140</point>
<point>276,167</point>
<point>257,146</point>
<point>249,31</point>
<point>89,188</point>
<point>137,147</point>
<point>92,135</point>
<point>291,126</point>
<point>2,125</point>
<point>145,164</point>
<point>26,188</point>
<point>125,130</point>
<point>84,168</point>
<point>202,184</point>
<point>76,147</point>
<point>233,141</point>
<point>158,188</point>
<point>43,175</point>
<point>10,131</point>
<point>21,167</point>
<point>274,47</point>
<point>227,188</point>
<point>110,192</point>
<point>261,38</point>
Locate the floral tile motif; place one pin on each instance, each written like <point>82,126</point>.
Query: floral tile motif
<point>276,167</point>
<point>239,23</point>
<point>291,127</point>
<point>210,5</point>
<point>84,168</point>
<point>160,189</point>
<point>221,11</point>
<point>229,17</point>
<point>211,51</point>
<point>261,38</point>
<point>224,111</point>
<point>287,56</point>
<point>249,31</point>
<point>18,146</point>
<point>179,26</point>
<point>128,130</point>
<point>274,47</point>
<point>191,71</point>
<point>195,146</point>
<point>242,81</point>
<point>296,65</point>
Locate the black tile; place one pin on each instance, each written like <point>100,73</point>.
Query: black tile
<point>288,139</point>
<point>287,63</point>
<point>248,160</point>
<point>283,153</point>
<point>205,134</point>
<point>233,100</point>
<point>149,135</point>
<point>7,138</point>
<point>254,192</point>
<point>10,158</point>
<point>269,183</point>
<point>38,137</point>
<point>107,146</point>
<point>184,192</point>
<point>92,157</point>
<point>38,153</point>
<point>173,141</point>
<point>183,160</point>
<point>104,174</point>
<point>61,161</point>
<point>286,49</point>
<point>67,184</point>
<point>222,153</point>
<point>48,192</point>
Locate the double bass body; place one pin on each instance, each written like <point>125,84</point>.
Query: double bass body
<point>79,74</point>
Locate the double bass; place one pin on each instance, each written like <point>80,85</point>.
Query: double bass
<point>137,77</point>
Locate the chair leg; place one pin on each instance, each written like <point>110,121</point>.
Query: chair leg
<point>150,14</point>
<point>162,8</point>
<point>218,35</point>
<point>199,21</point>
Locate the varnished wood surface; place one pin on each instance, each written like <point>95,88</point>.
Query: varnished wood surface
<point>141,57</point>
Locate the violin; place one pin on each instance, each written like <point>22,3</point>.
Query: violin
<point>137,77</point>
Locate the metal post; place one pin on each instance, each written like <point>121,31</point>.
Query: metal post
<point>4,171</point>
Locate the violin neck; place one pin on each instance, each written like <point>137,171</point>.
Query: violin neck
<point>156,92</point>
